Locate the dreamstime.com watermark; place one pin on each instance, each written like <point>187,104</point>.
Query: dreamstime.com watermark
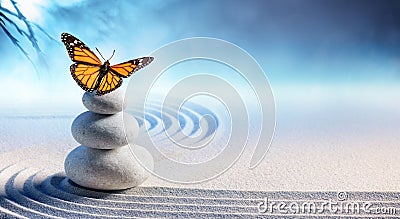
<point>340,205</point>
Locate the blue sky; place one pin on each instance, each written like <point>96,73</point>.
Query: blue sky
<point>297,42</point>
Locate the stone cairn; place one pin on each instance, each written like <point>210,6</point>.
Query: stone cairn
<point>105,160</point>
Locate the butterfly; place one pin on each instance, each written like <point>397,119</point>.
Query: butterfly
<point>93,75</point>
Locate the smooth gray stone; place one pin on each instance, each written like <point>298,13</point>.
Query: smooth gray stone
<point>110,103</point>
<point>104,131</point>
<point>106,169</point>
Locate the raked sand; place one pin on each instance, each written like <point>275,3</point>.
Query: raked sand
<point>317,151</point>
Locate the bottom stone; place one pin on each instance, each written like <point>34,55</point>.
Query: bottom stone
<point>112,169</point>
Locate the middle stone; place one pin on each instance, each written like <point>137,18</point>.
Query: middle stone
<point>104,131</point>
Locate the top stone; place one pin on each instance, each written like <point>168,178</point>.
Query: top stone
<point>110,103</point>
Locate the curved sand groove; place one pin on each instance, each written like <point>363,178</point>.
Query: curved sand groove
<point>33,185</point>
<point>30,189</point>
<point>32,194</point>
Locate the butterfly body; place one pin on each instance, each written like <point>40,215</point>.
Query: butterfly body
<point>93,75</point>
<point>104,68</point>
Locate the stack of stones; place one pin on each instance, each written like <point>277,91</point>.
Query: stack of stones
<point>105,160</point>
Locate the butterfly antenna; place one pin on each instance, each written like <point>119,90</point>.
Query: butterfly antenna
<point>112,54</point>
<point>100,54</point>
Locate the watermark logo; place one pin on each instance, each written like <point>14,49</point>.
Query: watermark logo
<point>342,196</point>
<point>340,205</point>
<point>202,101</point>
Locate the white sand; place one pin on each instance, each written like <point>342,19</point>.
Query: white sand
<point>341,146</point>
<point>322,149</point>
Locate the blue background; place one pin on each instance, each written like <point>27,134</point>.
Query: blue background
<point>322,49</point>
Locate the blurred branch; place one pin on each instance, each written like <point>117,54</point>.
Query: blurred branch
<point>10,21</point>
<point>45,33</point>
<point>29,33</point>
<point>11,37</point>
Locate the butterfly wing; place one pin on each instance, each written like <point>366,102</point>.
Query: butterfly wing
<point>126,69</point>
<point>109,82</point>
<point>87,76</point>
<point>78,51</point>
<point>86,69</point>
<point>112,80</point>
<point>87,72</point>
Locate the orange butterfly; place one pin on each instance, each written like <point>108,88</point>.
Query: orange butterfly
<point>93,75</point>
